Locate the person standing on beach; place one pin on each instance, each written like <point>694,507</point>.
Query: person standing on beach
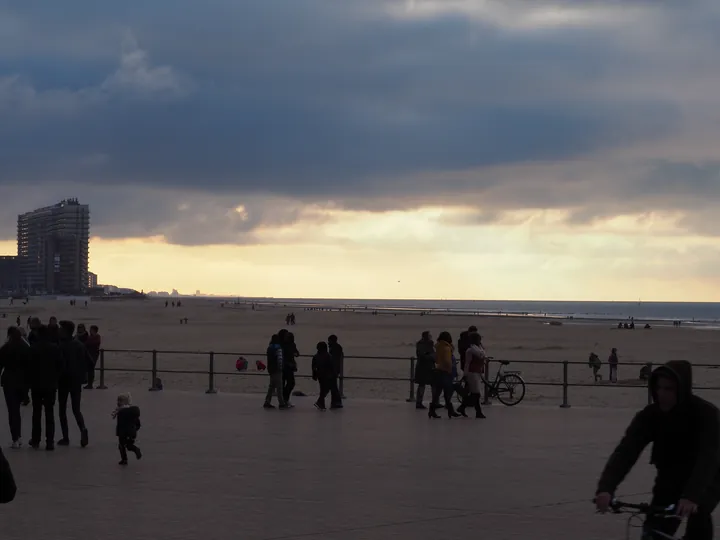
<point>323,371</point>
<point>14,359</point>
<point>442,376</point>
<point>76,362</point>
<point>274,357</point>
<point>290,353</point>
<point>338,356</point>
<point>425,354</point>
<point>46,364</point>
<point>613,362</point>
<point>53,330</point>
<point>93,343</point>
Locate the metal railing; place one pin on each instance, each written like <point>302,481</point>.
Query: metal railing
<point>212,372</point>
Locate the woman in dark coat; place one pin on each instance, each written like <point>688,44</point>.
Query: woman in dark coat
<point>14,358</point>
<point>425,355</point>
<point>8,489</point>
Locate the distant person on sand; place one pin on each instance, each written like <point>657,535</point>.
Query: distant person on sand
<point>323,371</point>
<point>338,356</point>
<point>442,376</point>
<point>274,356</point>
<point>613,362</point>
<point>290,353</point>
<point>425,354</point>
<point>93,343</point>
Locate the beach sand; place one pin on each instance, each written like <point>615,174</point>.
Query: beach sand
<point>237,329</point>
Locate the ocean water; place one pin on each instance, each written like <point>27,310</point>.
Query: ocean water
<point>701,313</point>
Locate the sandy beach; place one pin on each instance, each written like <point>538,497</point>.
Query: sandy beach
<point>237,329</point>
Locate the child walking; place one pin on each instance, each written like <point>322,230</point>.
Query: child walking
<point>128,424</point>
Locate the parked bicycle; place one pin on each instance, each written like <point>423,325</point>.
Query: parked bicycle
<point>646,514</point>
<point>508,386</point>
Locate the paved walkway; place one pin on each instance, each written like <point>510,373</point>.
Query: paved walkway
<point>218,466</point>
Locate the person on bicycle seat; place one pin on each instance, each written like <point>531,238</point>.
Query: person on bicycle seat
<point>685,432</point>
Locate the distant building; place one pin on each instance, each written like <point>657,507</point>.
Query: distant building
<point>9,273</point>
<point>53,247</point>
<point>92,280</point>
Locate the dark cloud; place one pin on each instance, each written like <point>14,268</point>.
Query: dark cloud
<point>229,103</point>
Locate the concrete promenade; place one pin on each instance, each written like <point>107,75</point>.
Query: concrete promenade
<point>220,467</point>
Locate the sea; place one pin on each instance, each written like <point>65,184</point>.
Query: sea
<point>701,314</point>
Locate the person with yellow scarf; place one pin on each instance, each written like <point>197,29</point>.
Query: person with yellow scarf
<point>442,376</point>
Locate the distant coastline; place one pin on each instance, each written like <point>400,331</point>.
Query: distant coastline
<point>692,313</point>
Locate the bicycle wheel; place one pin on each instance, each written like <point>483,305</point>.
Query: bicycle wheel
<point>510,389</point>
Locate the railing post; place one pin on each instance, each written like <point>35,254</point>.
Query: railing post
<point>650,393</point>
<point>565,404</point>
<point>153,375</point>
<point>487,401</point>
<point>411,398</point>
<point>102,370</point>
<point>211,375</point>
<point>342,376</point>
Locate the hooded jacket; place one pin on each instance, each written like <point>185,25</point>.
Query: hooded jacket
<point>686,441</point>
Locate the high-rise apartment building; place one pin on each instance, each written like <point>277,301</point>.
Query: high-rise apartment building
<point>53,247</point>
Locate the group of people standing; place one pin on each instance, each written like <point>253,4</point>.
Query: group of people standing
<point>281,356</point>
<point>48,364</point>
<point>437,367</point>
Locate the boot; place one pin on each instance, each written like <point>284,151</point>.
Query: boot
<point>478,408</point>
<point>461,408</point>
<point>451,411</point>
<point>432,413</point>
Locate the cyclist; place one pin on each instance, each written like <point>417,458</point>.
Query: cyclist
<point>685,432</point>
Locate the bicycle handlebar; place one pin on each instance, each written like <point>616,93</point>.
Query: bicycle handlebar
<point>619,507</point>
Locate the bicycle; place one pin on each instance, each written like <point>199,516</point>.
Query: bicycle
<point>638,511</point>
<point>508,386</point>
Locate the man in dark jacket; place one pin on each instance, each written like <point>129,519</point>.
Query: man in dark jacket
<point>274,356</point>
<point>77,361</point>
<point>685,432</point>
<point>290,353</point>
<point>338,356</point>
<point>8,489</point>
<point>46,364</point>
<point>425,354</point>
<point>14,361</point>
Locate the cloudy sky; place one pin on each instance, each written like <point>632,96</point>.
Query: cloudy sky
<point>484,149</point>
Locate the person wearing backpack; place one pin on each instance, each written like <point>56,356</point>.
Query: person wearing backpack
<point>274,356</point>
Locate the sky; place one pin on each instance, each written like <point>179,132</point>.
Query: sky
<point>464,149</point>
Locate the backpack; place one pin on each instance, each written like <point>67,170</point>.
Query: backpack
<point>241,364</point>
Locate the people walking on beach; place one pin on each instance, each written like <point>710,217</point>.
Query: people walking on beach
<point>613,362</point>
<point>14,361</point>
<point>323,371</point>
<point>76,361</point>
<point>442,376</point>
<point>93,343</point>
<point>274,357</point>
<point>290,353</point>
<point>475,362</point>
<point>45,366</point>
<point>33,325</point>
<point>127,417</point>
<point>425,355</point>
<point>8,488</point>
<point>338,356</point>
